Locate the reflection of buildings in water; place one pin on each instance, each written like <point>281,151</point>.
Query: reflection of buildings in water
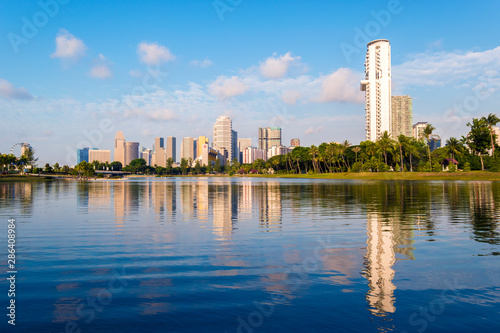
<point>194,200</point>
<point>164,199</point>
<point>126,198</point>
<point>99,196</point>
<point>21,193</point>
<point>379,260</point>
<point>385,239</point>
<point>119,203</point>
<point>245,199</point>
<point>269,199</point>
<point>225,208</point>
<point>187,199</point>
<point>201,200</point>
<point>82,197</point>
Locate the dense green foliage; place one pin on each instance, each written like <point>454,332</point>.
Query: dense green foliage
<point>475,151</point>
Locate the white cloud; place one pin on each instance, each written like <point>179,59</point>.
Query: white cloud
<point>340,86</point>
<point>225,88</point>
<point>101,68</point>
<point>291,97</point>
<point>8,91</point>
<point>202,63</point>
<point>68,47</point>
<point>312,130</point>
<point>161,114</point>
<point>443,68</point>
<point>276,67</point>
<point>154,53</point>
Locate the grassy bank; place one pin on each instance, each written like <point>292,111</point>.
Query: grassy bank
<point>471,175</point>
<point>26,178</point>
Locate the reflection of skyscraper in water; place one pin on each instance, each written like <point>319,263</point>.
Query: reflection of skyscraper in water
<point>126,201</point>
<point>201,200</point>
<point>82,197</point>
<point>385,239</point>
<point>225,208</point>
<point>119,203</point>
<point>269,196</point>
<point>99,196</point>
<point>245,200</point>
<point>164,200</point>
<point>379,258</point>
<point>187,200</point>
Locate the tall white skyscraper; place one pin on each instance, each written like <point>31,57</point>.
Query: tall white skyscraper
<point>377,88</point>
<point>120,148</point>
<point>223,136</point>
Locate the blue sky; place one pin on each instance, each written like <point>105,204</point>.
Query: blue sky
<point>169,68</point>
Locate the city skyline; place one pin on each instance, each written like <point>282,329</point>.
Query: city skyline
<point>65,77</point>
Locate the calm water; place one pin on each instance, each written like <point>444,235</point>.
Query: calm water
<point>253,255</point>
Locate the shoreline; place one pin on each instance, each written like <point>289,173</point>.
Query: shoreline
<point>422,176</point>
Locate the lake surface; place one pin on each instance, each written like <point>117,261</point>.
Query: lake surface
<point>253,255</point>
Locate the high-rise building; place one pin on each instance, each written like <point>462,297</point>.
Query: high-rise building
<point>418,130</point>
<point>101,156</point>
<point>171,148</point>
<point>496,131</point>
<point>402,116</point>
<point>377,88</point>
<point>82,155</point>
<point>25,147</point>
<point>188,148</point>
<point>146,155</point>
<point>234,146</point>
<point>278,150</point>
<point>250,154</point>
<point>223,137</point>
<point>159,155</point>
<point>434,142</point>
<point>242,145</point>
<point>269,137</point>
<point>119,154</point>
<point>295,142</point>
<point>131,152</point>
<point>202,140</point>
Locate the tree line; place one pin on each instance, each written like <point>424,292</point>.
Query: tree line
<point>474,151</point>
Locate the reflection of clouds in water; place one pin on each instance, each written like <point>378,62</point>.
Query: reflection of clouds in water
<point>67,286</point>
<point>340,265</point>
<point>152,308</point>
<point>65,309</point>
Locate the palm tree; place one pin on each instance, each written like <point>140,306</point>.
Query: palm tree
<point>343,148</point>
<point>30,155</point>
<point>427,135</point>
<point>492,120</point>
<point>401,142</point>
<point>411,146</point>
<point>385,144</point>
<point>356,150</point>
<point>314,152</point>
<point>453,146</point>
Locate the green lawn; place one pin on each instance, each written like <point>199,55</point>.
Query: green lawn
<point>471,175</point>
